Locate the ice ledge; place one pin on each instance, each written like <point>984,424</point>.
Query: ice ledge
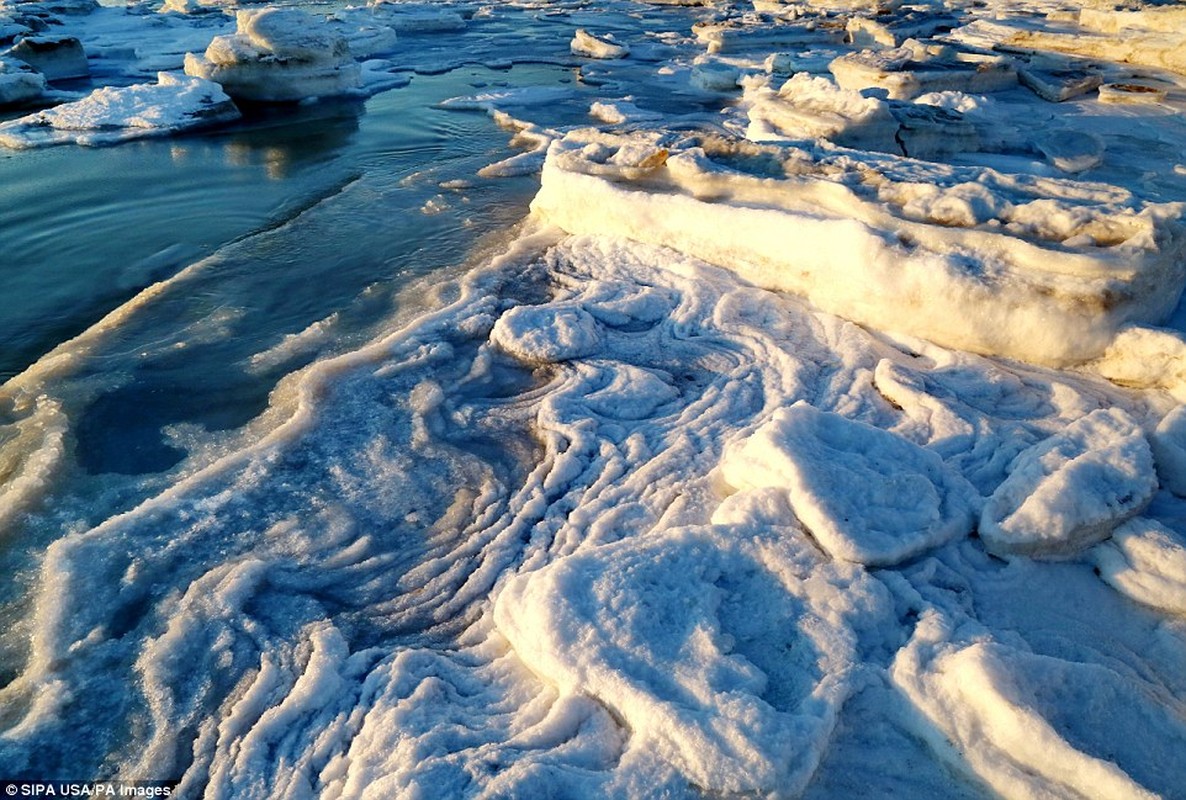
<point>1038,269</point>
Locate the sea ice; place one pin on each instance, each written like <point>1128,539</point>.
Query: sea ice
<point>1146,561</point>
<point>1069,150</point>
<point>547,335</point>
<point>1147,358</point>
<point>586,44</point>
<point>893,29</point>
<point>1071,490</point>
<point>56,57</point>
<point>1151,49</point>
<point>866,495</point>
<point>1032,725</point>
<point>108,115</point>
<point>1132,93</point>
<point>751,33</point>
<point>715,76</point>
<point>278,55</point>
<point>1034,268</point>
<point>417,17</point>
<point>1169,451</point>
<point>905,73</point>
<point>19,83</point>
<point>1057,85</point>
<point>726,654</point>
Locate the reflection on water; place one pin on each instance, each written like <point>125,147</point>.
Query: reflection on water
<point>283,140</point>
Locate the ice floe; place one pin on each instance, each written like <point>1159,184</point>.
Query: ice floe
<point>726,654</point>
<point>278,55</point>
<point>417,17</point>
<point>109,115</point>
<point>19,83</point>
<point>1071,490</point>
<point>768,458</point>
<point>56,57</point>
<point>866,495</point>
<point>1146,561</point>
<point>587,44</point>
<point>1032,725</point>
<point>906,72</point>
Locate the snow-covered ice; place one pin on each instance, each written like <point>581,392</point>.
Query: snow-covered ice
<point>277,55</point>
<point>817,432</point>
<point>110,115</point>
<point>866,495</point>
<point>1039,269</point>
<point>588,44</point>
<point>56,57</point>
<point>1073,489</point>
<point>1146,561</point>
<point>19,83</point>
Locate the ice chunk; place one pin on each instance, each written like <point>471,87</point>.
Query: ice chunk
<point>726,655</point>
<point>1169,451</point>
<point>1146,357</point>
<point>278,54</point>
<point>19,83</point>
<point>1035,268</point>
<point>417,17</point>
<point>1146,561</point>
<point>109,114</point>
<point>754,32</point>
<point>1152,49</point>
<point>1071,490</point>
<point>715,76</point>
<point>902,77</point>
<point>56,57</point>
<point>1132,93</point>
<point>1070,150</point>
<point>366,35</point>
<point>586,44</point>
<point>808,107</point>
<point>1057,85</point>
<point>893,29</point>
<point>1030,725</point>
<point>547,334</point>
<point>865,494</point>
<point>615,112</point>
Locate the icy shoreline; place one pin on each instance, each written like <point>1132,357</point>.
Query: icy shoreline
<point>753,463</point>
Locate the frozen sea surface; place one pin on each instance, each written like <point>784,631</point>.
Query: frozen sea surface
<point>582,406</point>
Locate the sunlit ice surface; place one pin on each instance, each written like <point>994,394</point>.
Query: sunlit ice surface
<point>595,399</point>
